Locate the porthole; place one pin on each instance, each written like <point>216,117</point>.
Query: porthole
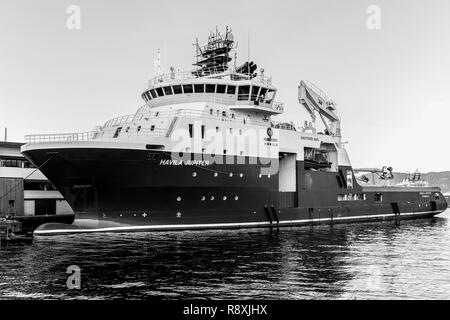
<point>231,174</point>
<point>212,198</point>
<point>241,175</point>
<point>178,199</point>
<point>224,198</point>
<point>215,174</point>
<point>194,174</point>
<point>236,198</point>
<point>203,198</point>
<point>260,175</point>
<point>268,176</point>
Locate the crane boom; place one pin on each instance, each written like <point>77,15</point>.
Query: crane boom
<point>315,100</point>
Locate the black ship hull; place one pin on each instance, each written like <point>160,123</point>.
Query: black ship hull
<point>139,190</point>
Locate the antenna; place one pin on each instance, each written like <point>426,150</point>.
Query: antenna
<point>158,64</point>
<point>248,52</point>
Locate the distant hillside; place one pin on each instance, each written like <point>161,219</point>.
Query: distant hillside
<point>439,179</point>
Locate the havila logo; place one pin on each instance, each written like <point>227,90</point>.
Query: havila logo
<point>74,280</point>
<point>74,19</point>
<point>230,146</point>
<point>374,19</point>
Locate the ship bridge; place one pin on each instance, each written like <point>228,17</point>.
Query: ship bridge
<point>214,80</point>
<point>239,93</point>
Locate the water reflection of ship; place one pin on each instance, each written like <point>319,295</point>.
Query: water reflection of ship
<point>299,262</point>
<point>310,258</point>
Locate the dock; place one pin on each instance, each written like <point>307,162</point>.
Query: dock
<point>12,232</point>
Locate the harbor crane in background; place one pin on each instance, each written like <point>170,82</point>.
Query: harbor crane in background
<point>315,100</point>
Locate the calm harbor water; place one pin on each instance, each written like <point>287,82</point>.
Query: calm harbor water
<point>358,261</point>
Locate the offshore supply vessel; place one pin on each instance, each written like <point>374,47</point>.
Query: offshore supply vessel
<point>204,152</point>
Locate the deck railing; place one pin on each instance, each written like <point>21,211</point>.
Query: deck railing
<point>108,134</point>
<point>228,100</point>
<point>109,130</point>
<point>60,137</point>
<point>194,74</point>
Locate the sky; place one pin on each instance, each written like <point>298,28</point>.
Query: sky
<point>391,84</point>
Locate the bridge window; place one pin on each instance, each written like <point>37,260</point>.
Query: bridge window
<point>160,92</point>
<point>270,95</point>
<point>168,90</point>
<point>221,88</point>
<point>255,91</point>
<point>210,88</point>
<point>147,96</point>
<point>243,93</point>
<point>263,92</point>
<point>191,129</point>
<point>116,134</point>
<point>153,93</point>
<point>187,88</point>
<point>152,128</point>
<point>138,128</point>
<point>231,89</point>
<point>211,111</point>
<point>177,89</point>
<point>199,88</point>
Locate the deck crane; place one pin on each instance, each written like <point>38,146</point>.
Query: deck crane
<point>385,173</point>
<point>315,100</point>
